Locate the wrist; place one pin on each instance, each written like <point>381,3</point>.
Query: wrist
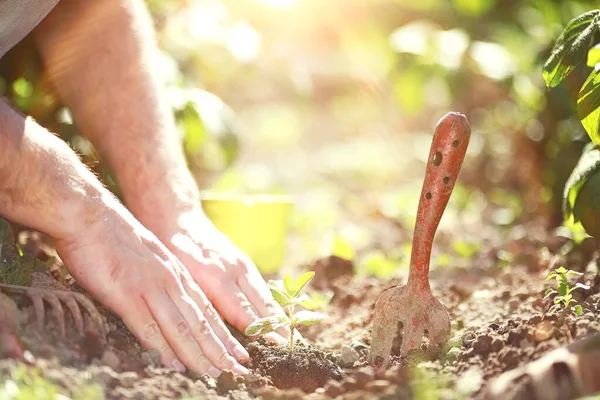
<point>45,186</point>
<point>159,200</point>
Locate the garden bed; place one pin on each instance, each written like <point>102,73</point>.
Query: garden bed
<point>500,321</point>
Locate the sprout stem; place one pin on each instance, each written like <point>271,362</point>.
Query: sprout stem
<point>291,314</point>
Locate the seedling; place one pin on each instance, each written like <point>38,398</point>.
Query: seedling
<point>564,299</point>
<point>287,293</point>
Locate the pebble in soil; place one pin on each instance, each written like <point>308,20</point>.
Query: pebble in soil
<point>305,368</point>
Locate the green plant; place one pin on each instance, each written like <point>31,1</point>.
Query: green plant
<point>579,41</point>
<point>287,293</point>
<point>564,298</point>
<point>26,383</point>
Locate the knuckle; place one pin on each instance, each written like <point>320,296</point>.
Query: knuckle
<point>209,312</point>
<point>201,360</point>
<point>240,269</point>
<point>246,306</point>
<point>203,328</point>
<point>183,328</point>
<point>150,330</point>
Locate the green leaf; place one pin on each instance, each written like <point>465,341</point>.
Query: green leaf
<point>308,317</point>
<point>587,204</point>
<point>588,163</point>
<point>560,270</point>
<point>549,292</point>
<point>279,295</point>
<point>317,300</point>
<point>266,325</point>
<point>298,300</point>
<point>593,56</point>
<point>195,134</point>
<point>569,272</point>
<point>343,249</point>
<point>294,287</point>
<point>574,231</point>
<point>562,288</point>
<point>581,286</point>
<point>303,280</point>
<point>578,310</point>
<point>571,47</point>
<point>588,105</point>
<point>552,275</point>
<point>288,284</point>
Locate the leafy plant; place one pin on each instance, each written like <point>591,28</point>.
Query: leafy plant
<point>578,42</point>
<point>564,298</point>
<point>287,293</point>
<point>25,383</point>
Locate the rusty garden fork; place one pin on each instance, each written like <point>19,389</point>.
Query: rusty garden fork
<point>414,304</point>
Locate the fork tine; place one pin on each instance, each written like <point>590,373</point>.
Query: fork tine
<point>412,337</point>
<point>75,311</point>
<point>73,300</point>
<point>91,309</point>
<point>57,311</point>
<point>38,308</point>
<point>384,330</point>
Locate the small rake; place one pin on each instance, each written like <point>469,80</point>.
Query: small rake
<point>73,301</point>
<point>414,304</point>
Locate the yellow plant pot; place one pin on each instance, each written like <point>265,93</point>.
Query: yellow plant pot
<point>257,224</point>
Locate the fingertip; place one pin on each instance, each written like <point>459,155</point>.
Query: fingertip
<point>240,370</point>
<point>214,372</point>
<point>241,354</point>
<point>178,365</point>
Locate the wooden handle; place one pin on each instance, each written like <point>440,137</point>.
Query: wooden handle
<point>448,148</point>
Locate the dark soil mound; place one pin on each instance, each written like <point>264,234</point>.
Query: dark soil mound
<point>306,368</point>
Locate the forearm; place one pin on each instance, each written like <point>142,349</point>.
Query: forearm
<point>99,56</point>
<point>43,184</point>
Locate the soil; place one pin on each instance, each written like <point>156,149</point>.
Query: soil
<point>306,367</point>
<point>500,322</point>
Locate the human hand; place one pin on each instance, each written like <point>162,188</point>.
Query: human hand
<point>229,278</point>
<point>128,270</point>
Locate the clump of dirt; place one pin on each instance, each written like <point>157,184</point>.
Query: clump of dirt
<point>306,367</point>
<point>504,346</point>
<point>330,269</point>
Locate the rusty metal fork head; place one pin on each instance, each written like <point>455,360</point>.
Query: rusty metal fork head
<point>413,304</point>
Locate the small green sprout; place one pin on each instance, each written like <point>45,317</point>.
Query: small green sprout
<point>287,293</point>
<point>563,290</point>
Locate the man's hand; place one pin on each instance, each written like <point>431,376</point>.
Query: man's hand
<point>45,186</point>
<point>130,271</point>
<point>228,277</point>
<point>130,122</point>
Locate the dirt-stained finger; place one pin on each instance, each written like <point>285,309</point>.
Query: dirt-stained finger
<point>234,348</point>
<point>203,331</point>
<point>138,318</point>
<point>177,329</point>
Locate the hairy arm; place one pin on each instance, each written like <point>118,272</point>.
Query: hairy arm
<point>99,55</point>
<point>43,184</point>
<point>101,58</point>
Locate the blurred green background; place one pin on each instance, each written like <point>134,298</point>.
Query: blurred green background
<point>334,102</point>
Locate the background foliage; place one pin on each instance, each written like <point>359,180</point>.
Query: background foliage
<point>335,101</point>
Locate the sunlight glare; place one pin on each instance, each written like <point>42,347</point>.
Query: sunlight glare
<point>279,3</point>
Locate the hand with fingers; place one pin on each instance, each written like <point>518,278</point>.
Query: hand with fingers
<point>229,278</point>
<point>129,270</point>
